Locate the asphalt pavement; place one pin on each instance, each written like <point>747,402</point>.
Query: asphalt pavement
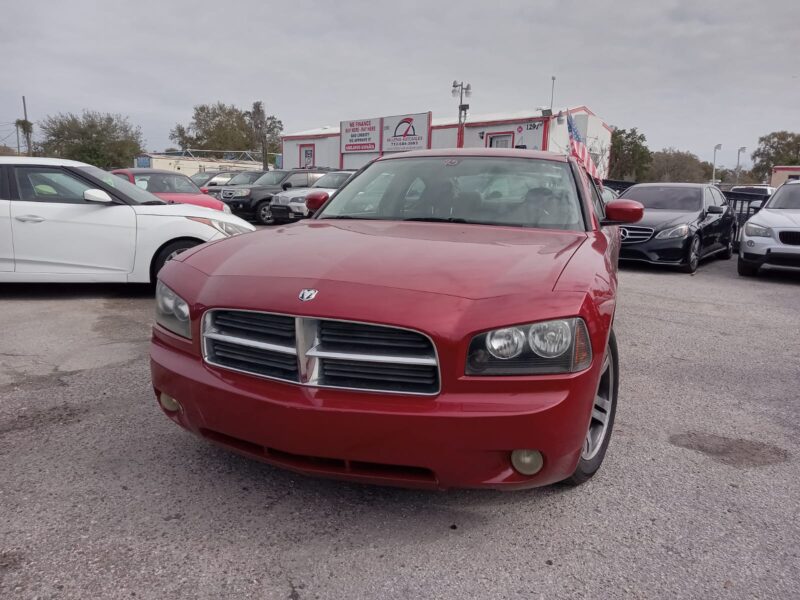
<point>101,496</point>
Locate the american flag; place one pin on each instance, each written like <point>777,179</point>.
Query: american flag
<point>579,149</point>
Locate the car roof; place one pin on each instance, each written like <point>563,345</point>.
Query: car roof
<point>41,161</point>
<point>669,184</point>
<point>479,152</point>
<point>143,171</point>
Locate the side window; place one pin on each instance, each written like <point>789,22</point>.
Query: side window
<point>298,179</point>
<point>48,184</point>
<point>721,199</point>
<point>597,200</point>
<point>708,198</point>
<point>314,177</point>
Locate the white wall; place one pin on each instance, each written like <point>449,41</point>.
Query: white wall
<point>444,138</point>
<point>326,152</point>
<point>531,134</point>
<point>190,166</point>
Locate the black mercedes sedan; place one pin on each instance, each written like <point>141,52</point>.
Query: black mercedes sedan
<point>682,224</point>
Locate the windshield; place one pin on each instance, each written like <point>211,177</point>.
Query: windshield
<point>665,197</point>
<point>332,180</point>
<point>201,177</point>
<point>165,183</point>
<point>271,178</point>
<point>490,191</point>
<point>245,178</point>
<point>786,196</point>
<point>131,192</point>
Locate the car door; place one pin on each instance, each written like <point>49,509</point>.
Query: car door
<point>298,180</point>
<point>56,231</point>
<point>709,223</point>
<point>6,241</point>
<point>726,219</point>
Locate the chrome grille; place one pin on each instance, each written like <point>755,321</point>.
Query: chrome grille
<point>321,352</point>
<point>632,234</point>
<point>790,238</point>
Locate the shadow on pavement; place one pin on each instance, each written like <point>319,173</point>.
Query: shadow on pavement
<point>55,291</point>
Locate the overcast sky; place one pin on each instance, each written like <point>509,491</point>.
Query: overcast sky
<point>689,74</point>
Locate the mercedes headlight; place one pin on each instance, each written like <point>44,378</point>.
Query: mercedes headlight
<point>241,193</point>
<point>558,346</point>
<point>172,311</point>
<point>224,227</point>
<point>680,231</point>
<point>753,230</point>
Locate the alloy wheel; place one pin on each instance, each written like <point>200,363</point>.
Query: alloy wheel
<point>694,253</point>
<point>601,411</point>
<point>265,214</point>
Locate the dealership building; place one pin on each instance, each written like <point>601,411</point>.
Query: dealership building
<point>355,142</point>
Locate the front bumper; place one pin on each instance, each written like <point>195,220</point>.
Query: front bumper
<point>452,440</point>
<point>287,212</point>
<point>665,252</point>
<point>768,251</point>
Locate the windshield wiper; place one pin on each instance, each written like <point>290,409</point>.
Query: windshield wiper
<point>151,202</point>
<point>347,217</point>
<point>437,219</point>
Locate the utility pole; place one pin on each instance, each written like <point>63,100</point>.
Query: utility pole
<point>16,126</point>
<point>714,167</point>
<point>28,131</point>
<point>552,91</point>
<point>738,156</point>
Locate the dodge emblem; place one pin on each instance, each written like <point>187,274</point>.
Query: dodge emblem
<point>308,294</point>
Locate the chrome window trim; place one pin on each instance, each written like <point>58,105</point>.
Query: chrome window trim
<point>309,365</point>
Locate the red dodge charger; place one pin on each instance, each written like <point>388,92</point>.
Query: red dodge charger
<point>445,320</point>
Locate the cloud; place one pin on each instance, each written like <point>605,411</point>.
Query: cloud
<point>687,74</point>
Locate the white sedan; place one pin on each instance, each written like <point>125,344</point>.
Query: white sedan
<point>66,221</point>
<point>290,205</point>
<point>772,236</point>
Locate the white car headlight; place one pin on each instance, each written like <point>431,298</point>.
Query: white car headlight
<point>558,346</point>
<point>754,230</point>
<point>172,311</point>
<point>675,232</point>
<point>241,193</point>
<point>298,200</point>
<point>226,209</point>
<point>224,227</point>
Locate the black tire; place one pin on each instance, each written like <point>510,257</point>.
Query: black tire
<point>746,268</point>
<point>692,258</point>
<point>264,214</point>
<point>168,251</point>
<point>587,467</point>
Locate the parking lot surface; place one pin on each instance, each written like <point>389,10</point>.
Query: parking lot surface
<point>101,496</point>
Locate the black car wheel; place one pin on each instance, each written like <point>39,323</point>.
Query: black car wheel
<point>601,422</point>
<point>746,268</point>
<point>264,213</point>
<point>692,256</point>
<point>169,252</point>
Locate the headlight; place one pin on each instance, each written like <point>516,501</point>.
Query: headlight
<point>241,193</point>
<point>225,228</point>
<point>754,230</point>
<point>298,200</point>
<point>226,209</point>
<point>172,311</point>
<point>559,346</point>
<point>675,232</point>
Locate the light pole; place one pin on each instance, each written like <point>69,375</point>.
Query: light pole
<point>461,89</point>
<point>714,167</point>
<point>739,154</point>
<point>552,91</point>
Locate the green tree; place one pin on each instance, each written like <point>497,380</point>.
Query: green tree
<point>676,166</point>
<point>101,139</point>
<point>776,148</point>
<point>630,156</point>
<point>266,131</point>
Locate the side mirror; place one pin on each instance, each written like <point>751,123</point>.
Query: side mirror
<point>98,197</point>
<point>756,206</point>
<point>715,210</point>
<point>286,186</point>
<point>204,190</point>
<point>315,200</point>
<point>621,211</point>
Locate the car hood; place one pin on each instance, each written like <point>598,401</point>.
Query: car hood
<point>196,199</point>
<point>660,219</point>
<point>465,261</point>
<point>778,217</point>
<point>303,192</point>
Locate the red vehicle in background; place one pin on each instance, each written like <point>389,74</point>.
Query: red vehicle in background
<point>170,187</point>
<point>444,320</point>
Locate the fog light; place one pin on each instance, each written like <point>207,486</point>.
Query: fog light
<point>527,462</point>
<point>169,403</point>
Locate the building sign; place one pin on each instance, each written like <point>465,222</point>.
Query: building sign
<point>360,135</point>
<point>406,132</point>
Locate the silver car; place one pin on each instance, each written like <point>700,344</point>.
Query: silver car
<point>772,236</point>
<point>290,205</point>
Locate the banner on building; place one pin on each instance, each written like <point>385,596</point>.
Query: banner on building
<point>360,135</point>
<point>406,132</point>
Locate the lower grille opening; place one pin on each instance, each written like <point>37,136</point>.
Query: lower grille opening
<point>323,464</point>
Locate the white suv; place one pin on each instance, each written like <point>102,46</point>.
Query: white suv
<point>772,236</point>
<point>67,221</point>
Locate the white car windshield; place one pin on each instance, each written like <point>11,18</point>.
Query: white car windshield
<point>332,180</point>
<point>132,192</point>
<point>786,197</point>
<point>482,190</point>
